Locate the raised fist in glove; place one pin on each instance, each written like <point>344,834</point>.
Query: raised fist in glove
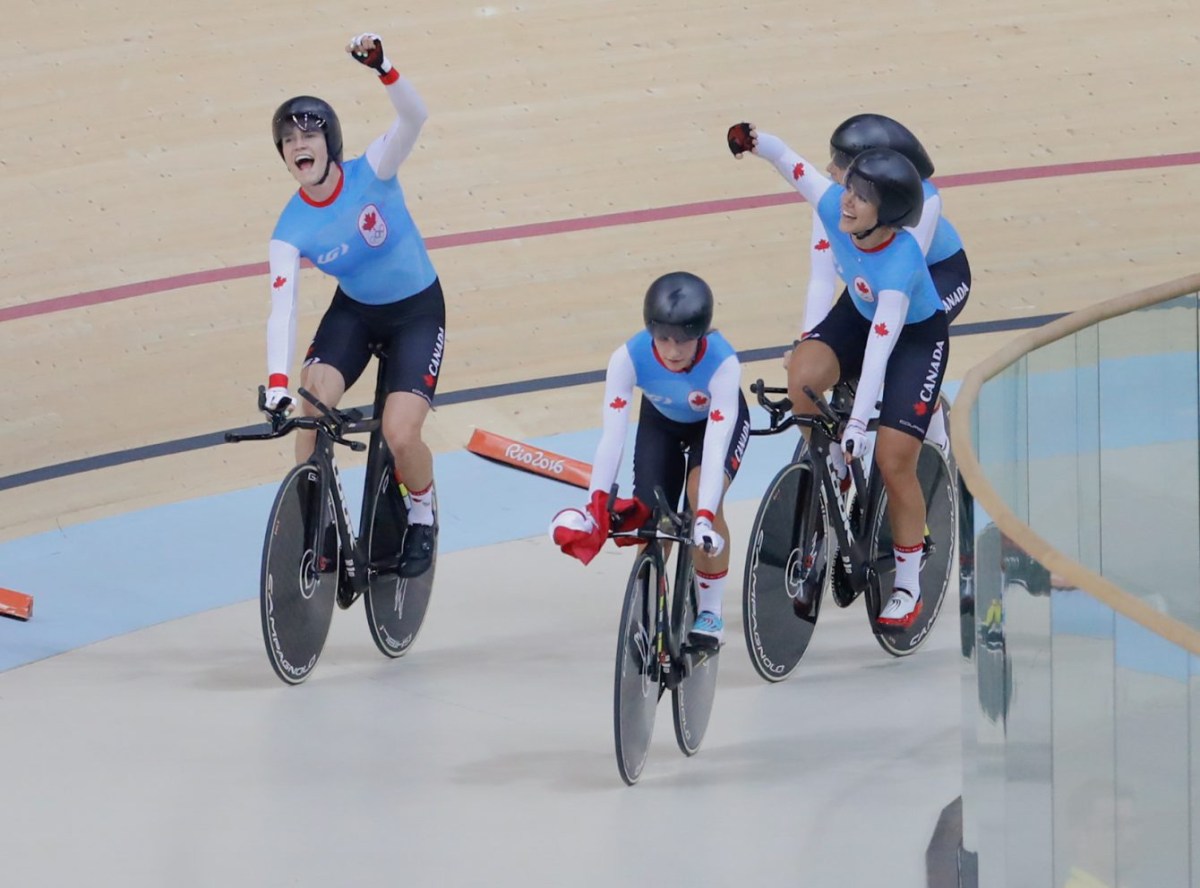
<point>367,49</point>
<point>705,537</point>
<point>278,400</point>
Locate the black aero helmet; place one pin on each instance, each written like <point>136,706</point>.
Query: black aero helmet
<point>887,179</point>
<point>678,305</point>
<point>308,113</point>
<point>863,131</point>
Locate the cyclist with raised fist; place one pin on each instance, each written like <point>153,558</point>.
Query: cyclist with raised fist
<point>888,330</point>
<point>349,218</point>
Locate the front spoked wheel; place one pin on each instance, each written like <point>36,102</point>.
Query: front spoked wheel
<point>395,605</point>
<point>786,573</point>
<point>637,683</point>
<point>298,583</point>
<point>939,482</point>
<point>692,698</point>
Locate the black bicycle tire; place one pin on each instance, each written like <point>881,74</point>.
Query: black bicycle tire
<point>941,503</point>
<point>284,570</point>
<point>693,696</point>
<point>636,699</point>
<point>775,638</point>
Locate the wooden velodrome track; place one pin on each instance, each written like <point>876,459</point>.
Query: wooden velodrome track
<point>140,186</point>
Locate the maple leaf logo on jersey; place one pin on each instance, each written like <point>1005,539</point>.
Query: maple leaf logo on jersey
<point>371,226</point>
<point>920,408</point>
<point>822,245</point>
<point>698,401</point>
<point>862,289</point>
<point>798,171</point>
<point>279,282</point>
<point>716,416</point>
<point>881,329</point>
<point>618,403</point>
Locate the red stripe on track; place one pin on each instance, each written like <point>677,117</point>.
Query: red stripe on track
<point>607,220</point>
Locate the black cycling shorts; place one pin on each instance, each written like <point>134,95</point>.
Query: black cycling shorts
<point>412,332</point>
<point>913,378</point>
<point>664,450</point>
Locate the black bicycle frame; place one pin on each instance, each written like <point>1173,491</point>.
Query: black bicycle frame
<point>825,427</point>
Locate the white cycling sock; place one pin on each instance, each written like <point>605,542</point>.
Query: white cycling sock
<point>710,589</point>
<point>908,568</point>
<point>420,505</point>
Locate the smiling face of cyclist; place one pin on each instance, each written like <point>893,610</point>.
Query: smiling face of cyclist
<point>676,354</point>
<point>306,155</point>
<point>860,212</point>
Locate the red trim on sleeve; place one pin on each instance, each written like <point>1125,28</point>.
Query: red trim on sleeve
<point>704,513</point>
<point>390,77</point>
<point>277,380</point>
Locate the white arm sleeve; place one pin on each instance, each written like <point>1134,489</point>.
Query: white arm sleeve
<point>281,325</point>
<point>723,388</point>
<point>885,330</point>
<point>800,174</point>
<point>924,230</point>
<point>822,278</point>
<point>618,398</point>
<point>387,152</point>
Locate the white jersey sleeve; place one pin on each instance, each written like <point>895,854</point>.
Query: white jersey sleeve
<point>924,230</point>
<point>822,277</point>
<point>799,173</point>
<point>618,398</point>
<point>387,152</point>
<point>723,389</point>
<point>281,325</point>
<point>885,330</point>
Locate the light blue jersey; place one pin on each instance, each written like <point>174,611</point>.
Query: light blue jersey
<point>682,397</point>
<point>364,237</point>
<point>946,241</point>
<point>897,265</point>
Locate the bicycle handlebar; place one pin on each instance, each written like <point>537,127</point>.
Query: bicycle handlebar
<point>662,512</point>
<point>333,423</point>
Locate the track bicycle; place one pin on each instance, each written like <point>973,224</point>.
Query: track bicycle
<point>653,650</point>
<point>312,557</point>
<point>809,536</point>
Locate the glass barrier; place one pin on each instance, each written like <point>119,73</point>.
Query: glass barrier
<point>1081,746</point>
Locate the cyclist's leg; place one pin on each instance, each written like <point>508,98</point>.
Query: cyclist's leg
<point>910,391</point>
<point>952,279</point>
<point>415,350</point>
<point>712,570</point>
<point>658,458</point>
<point>416,345</point>
<point>336,358</point>
<point>833,350</point>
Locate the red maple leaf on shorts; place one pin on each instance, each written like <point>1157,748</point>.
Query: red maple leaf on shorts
<point>618,403</point>
<point>920,408</point>
<point>881,329</point>
<point>429,380</point>
<point>279,282</point>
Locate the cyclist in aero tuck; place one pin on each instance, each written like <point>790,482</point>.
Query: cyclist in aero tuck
<point>693,414</point>
<point>351,221</point>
